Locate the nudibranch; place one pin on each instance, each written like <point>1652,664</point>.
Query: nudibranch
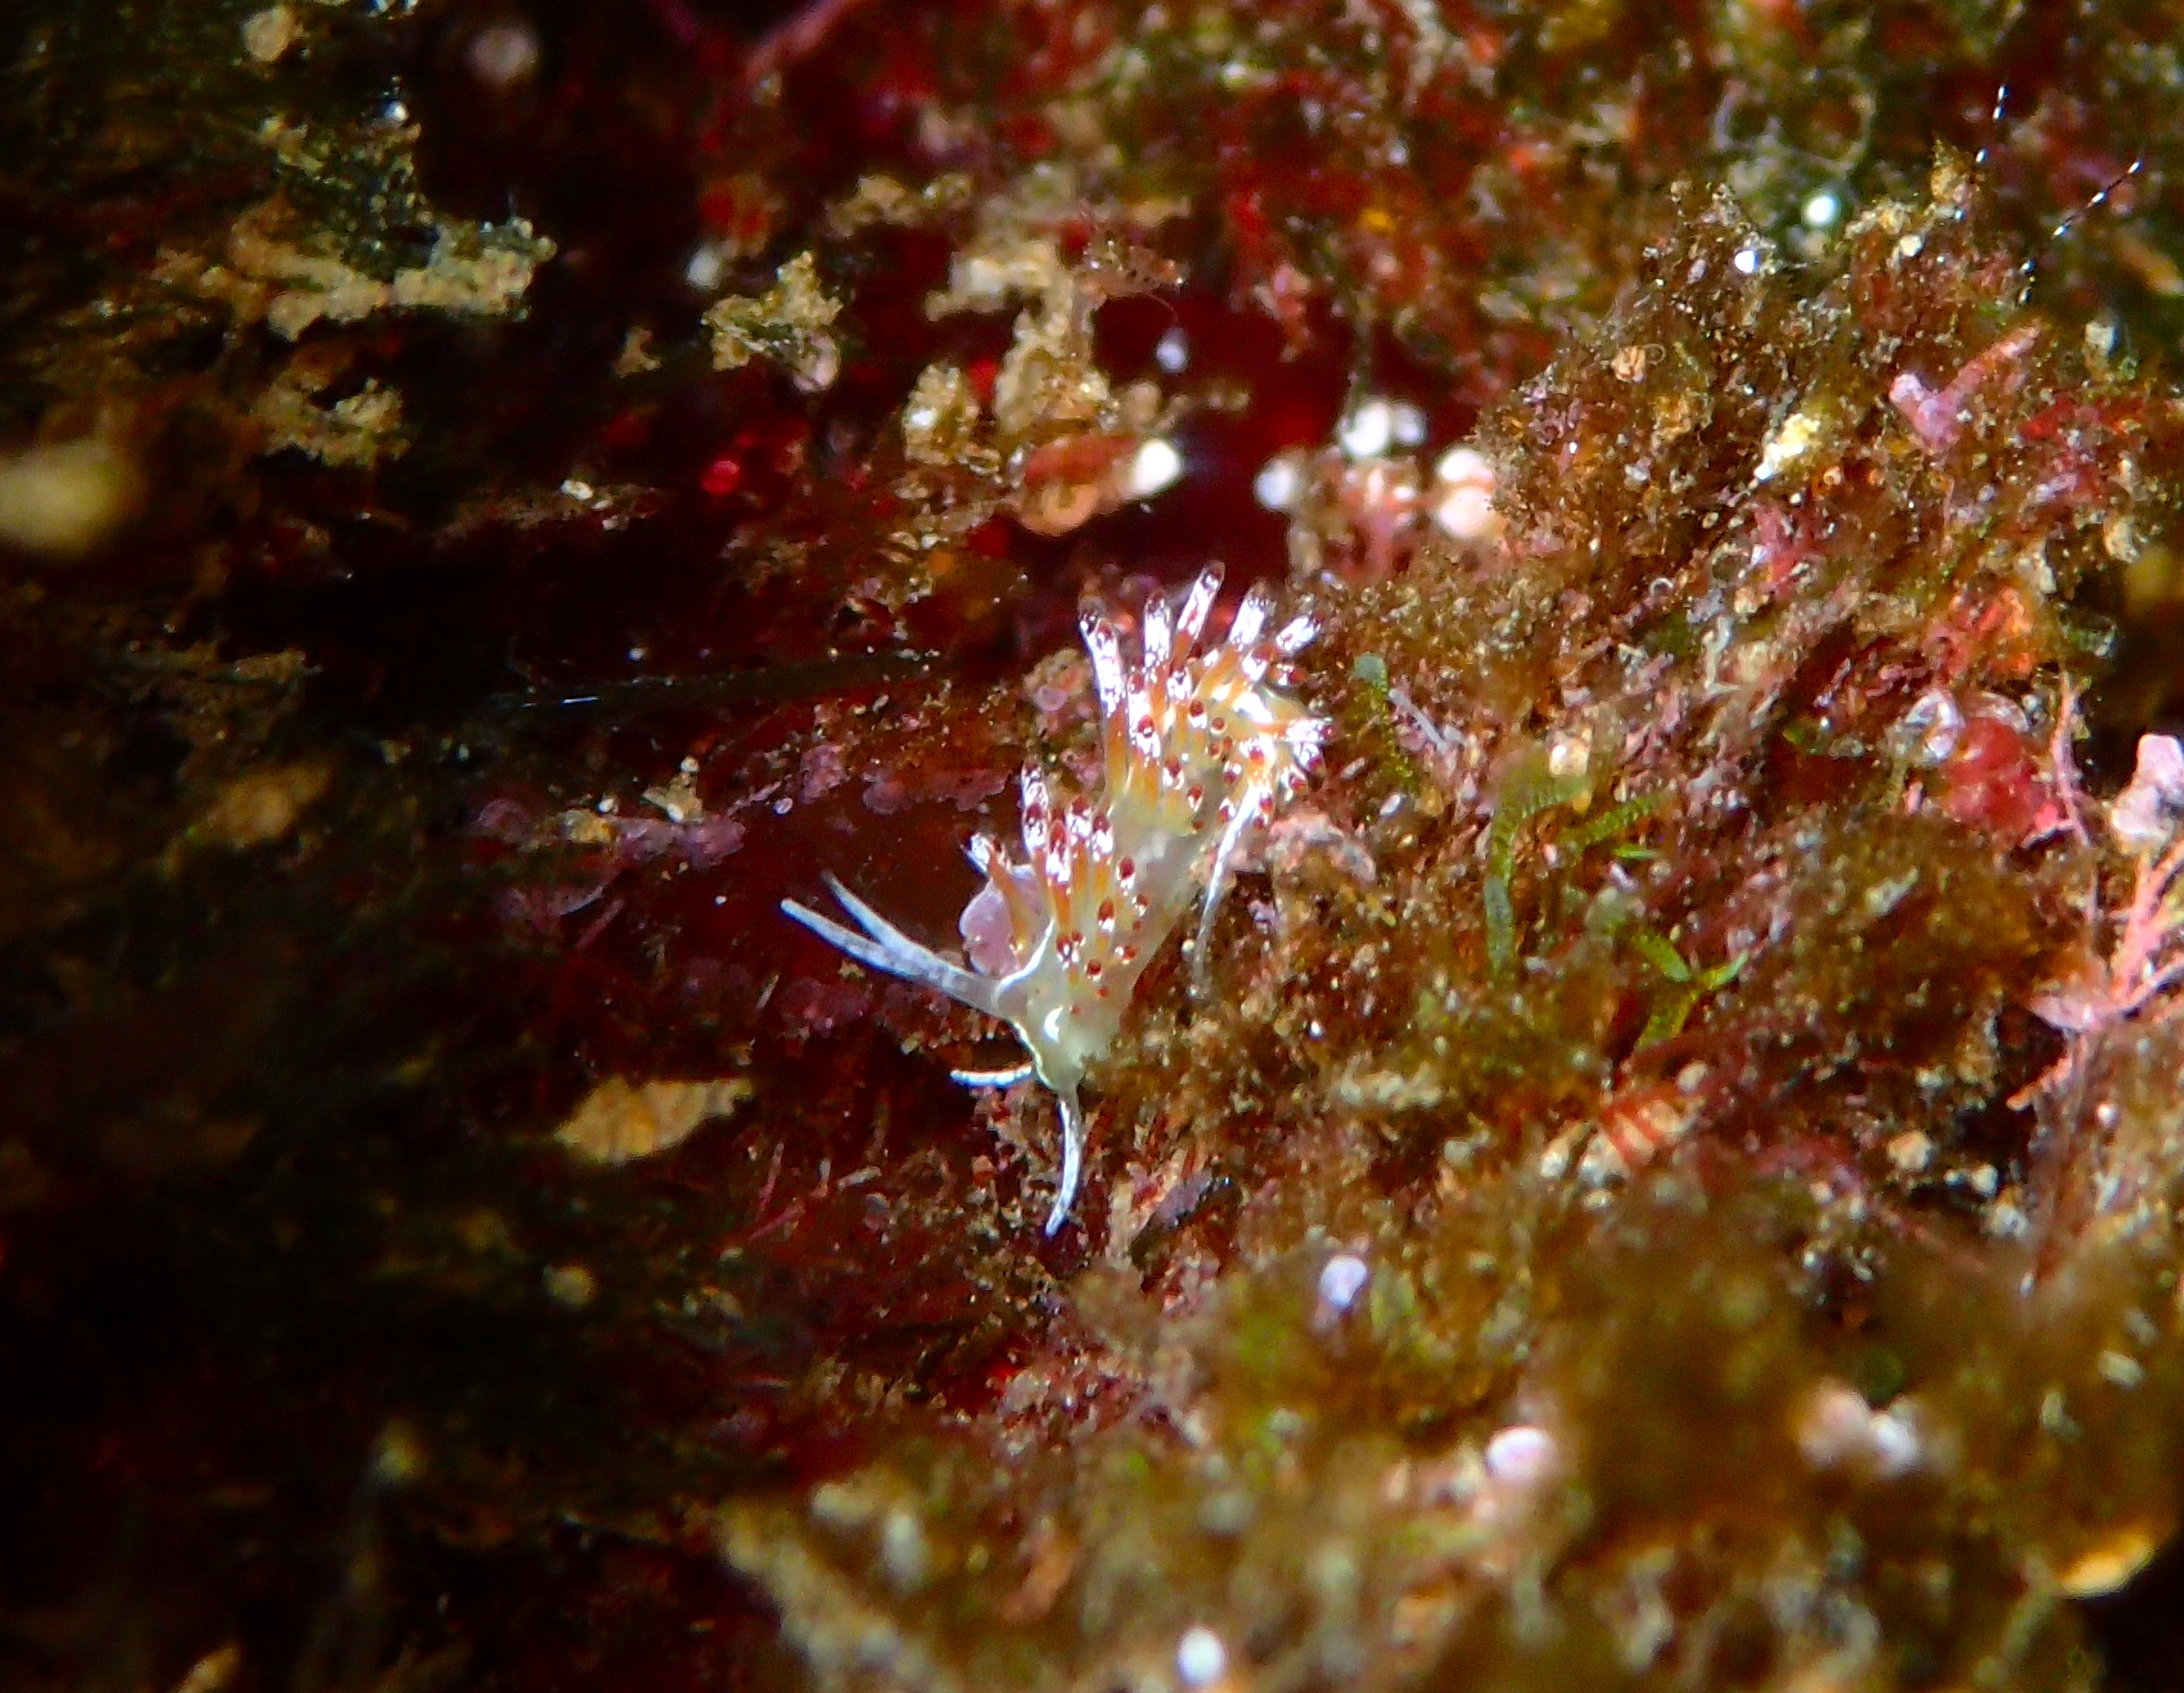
<point>1197,749</point>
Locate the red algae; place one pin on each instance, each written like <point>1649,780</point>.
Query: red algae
<point>1661,1171</point>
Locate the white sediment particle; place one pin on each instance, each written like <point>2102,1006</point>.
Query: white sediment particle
<point>1277,483</point>
<point>706,266</point>
<point>571,1285</point>
<point>1461,500</point>
<point>63,499</point>
<point>1155,466</point>
<point>268,33</point>
<point>1462,464</point>
<point>1465,513</point>
<point>1796,437</point>
<point>1520,1456</point>
<point>1342,1280</point>
<point>904,1550</point>
<point>1569,755</point>
<point>1368,432</point>
<point>1895,1443</point>
<point>1834,1427</point>
<point>503,53</point>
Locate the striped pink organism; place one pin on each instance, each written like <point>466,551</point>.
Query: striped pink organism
<point>1198,749</point>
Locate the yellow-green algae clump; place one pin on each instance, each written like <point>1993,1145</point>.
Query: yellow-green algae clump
<point>1619,1218</point>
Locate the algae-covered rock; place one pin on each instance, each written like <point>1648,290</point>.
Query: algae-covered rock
<point>1720,818</point>
<point>1657,1165</point>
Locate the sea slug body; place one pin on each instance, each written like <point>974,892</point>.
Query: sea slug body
<point>1197,750</point>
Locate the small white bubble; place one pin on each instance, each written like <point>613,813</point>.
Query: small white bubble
<point>1747,261</point>
<point>1409,425</point>
<point>1201,1657</point>
<point>1171,353</point>
<point>1822,209</point>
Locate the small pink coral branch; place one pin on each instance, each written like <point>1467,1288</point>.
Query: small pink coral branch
<point>2138,970</point>
<point>1939,416</point>
<point>2147,960</point>
<point>2070,804</point>
<point>1199,750</point>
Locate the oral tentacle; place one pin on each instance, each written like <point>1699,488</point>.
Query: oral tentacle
<point>1073,1158</point>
